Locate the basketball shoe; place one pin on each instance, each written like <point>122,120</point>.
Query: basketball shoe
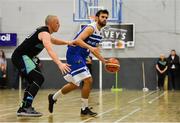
<point>28,112</point>
<point>87,111</point>
<point>51,102</point>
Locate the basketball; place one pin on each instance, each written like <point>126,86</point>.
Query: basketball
<point>112,65</point>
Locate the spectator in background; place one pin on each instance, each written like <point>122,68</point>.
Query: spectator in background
<point>3,66</point>
<point>161,67</point>
<point>173,64</point>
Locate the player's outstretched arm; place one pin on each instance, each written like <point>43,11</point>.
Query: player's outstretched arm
<point>46,39</point>
<point>58,41</point>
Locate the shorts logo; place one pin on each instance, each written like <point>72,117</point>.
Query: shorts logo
<point>79,61</point>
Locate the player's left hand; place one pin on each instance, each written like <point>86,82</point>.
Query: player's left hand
<point>71,43</point>
<point>64,67</point>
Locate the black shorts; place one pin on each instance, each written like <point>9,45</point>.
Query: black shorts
<point>24,63</point>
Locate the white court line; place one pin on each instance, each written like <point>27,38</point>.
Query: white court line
<point>129,114</point>
<point>16,107</point>
<point>98,115</point>
<point>127,106</point>
<point>67,98</point>
<point>8,109</point>
<point>94,95</point>
<point>74,101</point>
<point>6,114</point>
<point>138,98</point>
<point>156,98</point>
<point>121,109</point>
<point>40,107</point>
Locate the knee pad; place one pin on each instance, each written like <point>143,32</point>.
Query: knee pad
<point>36,77</point>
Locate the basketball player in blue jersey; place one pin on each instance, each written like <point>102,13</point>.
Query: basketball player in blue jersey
<point>23,56</point>
<point>86,41</point>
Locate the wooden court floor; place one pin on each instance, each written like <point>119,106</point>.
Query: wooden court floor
<point>125,106</point>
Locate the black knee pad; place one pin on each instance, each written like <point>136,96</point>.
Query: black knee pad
<point>36,77</point>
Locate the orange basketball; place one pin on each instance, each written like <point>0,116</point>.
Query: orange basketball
<point>112,65</point>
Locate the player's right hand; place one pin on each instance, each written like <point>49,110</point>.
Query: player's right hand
<point>95,50</point>
<point>64,67</point>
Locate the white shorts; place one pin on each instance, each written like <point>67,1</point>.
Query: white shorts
<point>77,76</point>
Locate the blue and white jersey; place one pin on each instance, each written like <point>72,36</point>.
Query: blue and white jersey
<point>92,40</point>
<point>76,57</point>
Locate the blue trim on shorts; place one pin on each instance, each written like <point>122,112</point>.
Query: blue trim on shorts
<point>77,72</point>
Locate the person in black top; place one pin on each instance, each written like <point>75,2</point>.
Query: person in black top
<point>89,63</point>
<point>173,66</point>
<point>161,67</point>
<point>23,57</point>
<point>3,69</point>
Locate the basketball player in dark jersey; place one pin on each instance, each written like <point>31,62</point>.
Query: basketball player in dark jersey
<point>23,56</point>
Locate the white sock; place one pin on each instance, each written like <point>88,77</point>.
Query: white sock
<point>57,95</point>
<point>84,103</point>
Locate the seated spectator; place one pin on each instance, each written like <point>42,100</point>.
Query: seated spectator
<point>161,67</point>
<point>173,64</point>
<point>3,66</point>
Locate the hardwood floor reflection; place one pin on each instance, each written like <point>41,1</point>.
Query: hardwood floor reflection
<point>125,106</point>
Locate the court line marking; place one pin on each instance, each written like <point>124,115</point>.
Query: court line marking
<point>129,114</point>
<point>100,114</point>
<point>121,108</point>
<point>6,114</point>
<point>151,101</point>
<point>77,98</point>
<point>138,98</point>
<point>16,107</point>
<point>72,101</point>
<point>8,109</point>
<point>94,95</point>
<point>40,107</point>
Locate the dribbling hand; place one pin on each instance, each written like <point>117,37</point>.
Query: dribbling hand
<point>64,67</point>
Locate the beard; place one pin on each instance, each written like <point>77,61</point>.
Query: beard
<point>102,24</point>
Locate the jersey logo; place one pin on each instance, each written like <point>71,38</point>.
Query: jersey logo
<point>40,46</point>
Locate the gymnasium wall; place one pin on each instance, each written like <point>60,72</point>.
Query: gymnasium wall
<point>157,24</point>
<point>130,75</point>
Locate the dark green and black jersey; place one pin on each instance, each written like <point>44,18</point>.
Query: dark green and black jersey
<point>32,46</point>
<point>162,64</point>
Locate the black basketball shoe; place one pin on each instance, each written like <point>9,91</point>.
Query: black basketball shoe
<point>28,112</point>
<point>87,111</point>
<point>51,102</point>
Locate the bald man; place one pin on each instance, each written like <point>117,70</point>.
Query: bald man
<point>23,56</point>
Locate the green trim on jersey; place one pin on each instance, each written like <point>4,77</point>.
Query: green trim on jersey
<point>40,46</point>
<point>29,64</point>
